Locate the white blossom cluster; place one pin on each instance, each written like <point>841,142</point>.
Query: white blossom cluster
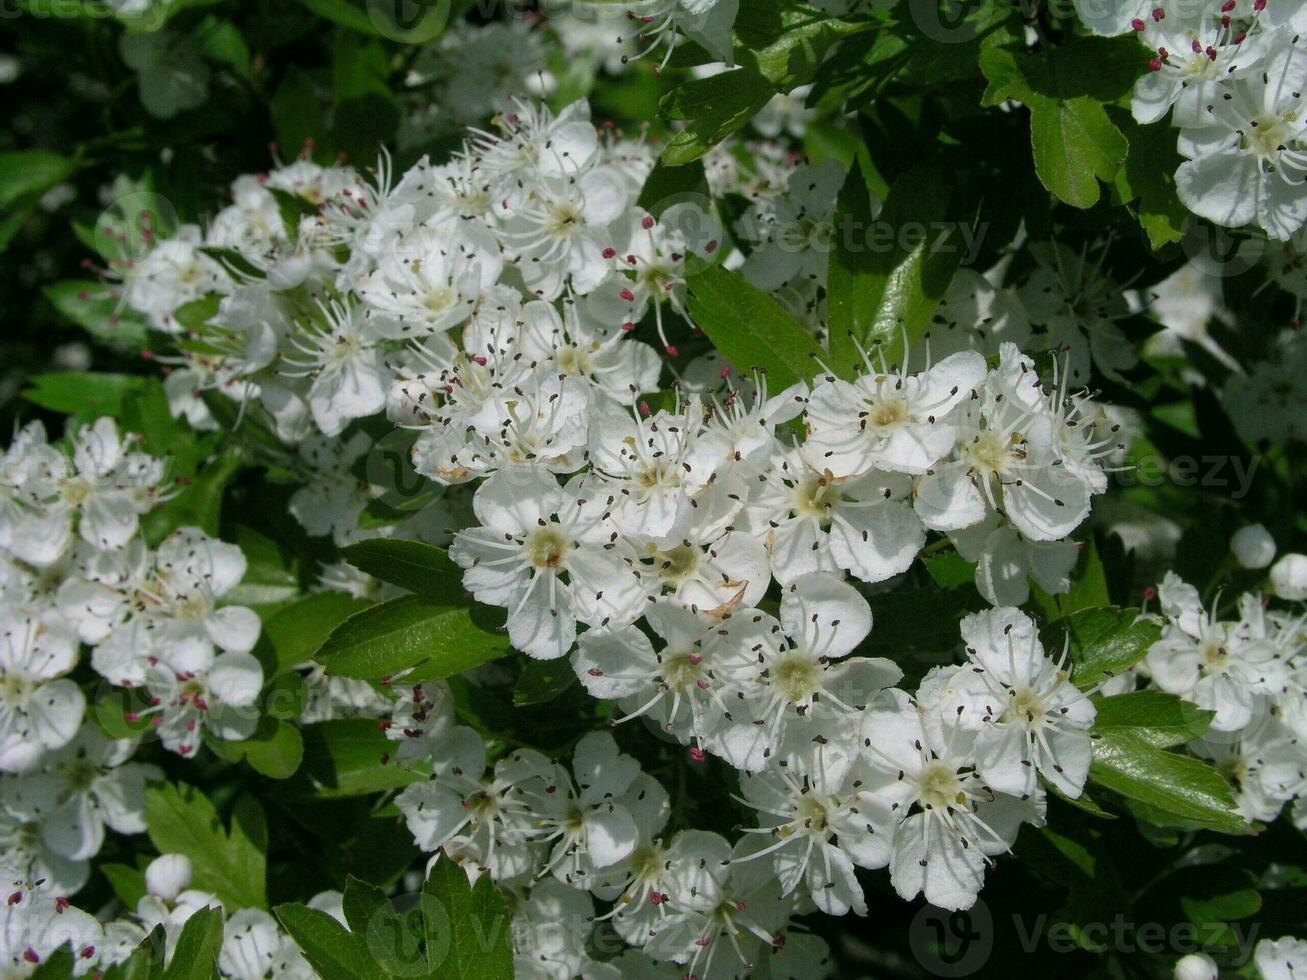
<point>863,775</point>
<point>1250,670</point>
<point>1231,75</point>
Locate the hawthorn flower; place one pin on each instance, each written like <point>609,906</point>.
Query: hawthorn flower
<point>253,947</point>
<point>543,552</point>
<point>80,789</point>
<point>340,352</point>
<point>489,811</point>
<point>36,922</point>
<point>1246,158</point>
<point>1028,715</point>
<point>814,522</point>
<point>652,467</point>
<point>674,686</point>
<point>951,821</point>
<point>1221,666</point>
<point>1006,561</point>
<point>793,674</point>
<point>792,232</point>
<point>886,419</point>
<point>40,709</point>
<point>589,823</point>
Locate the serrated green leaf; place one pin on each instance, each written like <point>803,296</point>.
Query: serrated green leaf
<point>715,107</point>
<point>1125,762</point>
<point>467,926</point>
<point>274,749</point>
<point>1163,720</point>
<point>1103,641</point>
<point>98,310</point>
<point>343,757</point>
<point>330,948</point>
<point>86,395</point>
<point>228,861</point>
<point>195,956</point>
<point>428,639</point>
<point>750,328</point>
<point>292,635</point>
<point>422,569</point>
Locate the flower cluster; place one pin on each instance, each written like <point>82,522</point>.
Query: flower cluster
<point>1231,74</point>
<point>1251,673</point>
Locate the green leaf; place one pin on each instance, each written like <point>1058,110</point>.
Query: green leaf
<point>394,940</point>
<point>666,186</point>
<point>893,270</point>
<point>94,307</point>
<point>196,953</point>
<point>228,862</point>
<point>294,634</point>
<point>420,568</point>
<point>715,107</point>
<point>297,115</point>
<point>128,883</point>
<point>330,948</point>
<point>57,966</point>
<point>86,395</point>
<point>852,274</point>
<point>794,57</point>
<point>750,328</point>
<point>1075,144</point>
<point>543,680</point>
<point>1162,720</point>
<point>221,41</point>
<point>27,174</point>
<point>1088,587</point>
<point>344,13</point>
<point>410,632</point>
<point>274,749</point>
<point>467,926</point>
<point>200,502</point>
<point>343,757</point>
<point>1179,786</point>
<point>1147,181</point>
<point>1103,641</point>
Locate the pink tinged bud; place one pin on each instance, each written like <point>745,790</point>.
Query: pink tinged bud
<point>1137,24</point>
<point>627,295</point>
<point>696,754</point>
<point>646,222</point>
<point>609,252</point>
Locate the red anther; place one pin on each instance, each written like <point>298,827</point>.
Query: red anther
<point>628,326</point>
<point>695,659</point>
<point>1227,6</point>
<point>595,672</point>
<point>740,906</point>
<point>14,899</point>
<point>1137,24</point>
<point>479,359</point>
<point>186,750</point>
<point>656,898</point>
<point>87,952</point>
<point>1259,5</point>
<point>1197,48</point>
<point>383,725</point>
<point>1159,13</point>
<point>609,252</point>
<point>724,372</point>
<point>645,410</point>
<point>1150,593</point>
<point>1238,38</point>
<point>711,247</point>
<point>29,954</point>
<point>1163,53</point>
<point>704,941</point>
<point>627,295</point>
<point>701,684</point>
<point>646,222</point>
<point>60,903</point>
<point>696,754</point>
<point>131,717</point>
<point>671,351</point>
<point>1211,53</point>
